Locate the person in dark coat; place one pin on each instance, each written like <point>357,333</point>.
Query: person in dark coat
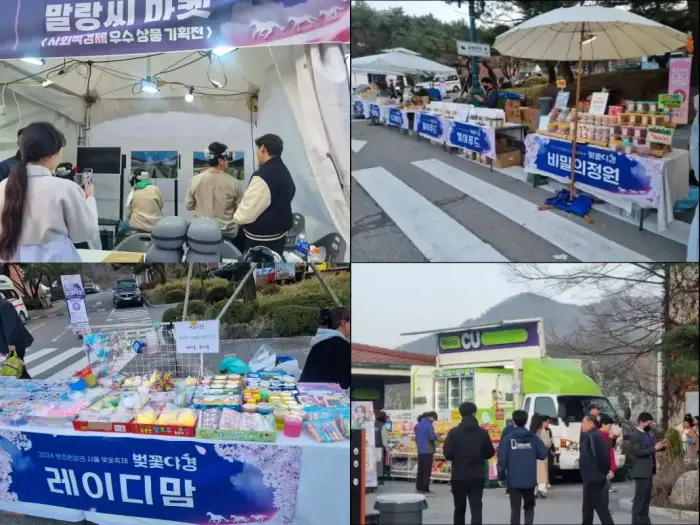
<point>594,465</point>
<point>518,453</point>
<point>644,467</point>
<point>13,334</point>
<point>510,426</point>
<point>329,358</point>
<point>7,164</point>
<point>265,213</point>
<point>467,446</point>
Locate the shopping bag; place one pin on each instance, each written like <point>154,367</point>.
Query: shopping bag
<point>12,366</point>
<point>264,359</point>
<point>233,365</point>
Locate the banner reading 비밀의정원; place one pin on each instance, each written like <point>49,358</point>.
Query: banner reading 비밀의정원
<point>176,480</point>
<point>75,28</point>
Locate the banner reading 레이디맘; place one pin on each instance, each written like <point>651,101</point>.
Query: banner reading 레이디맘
<point>174,480</point>
<point>74,28</point>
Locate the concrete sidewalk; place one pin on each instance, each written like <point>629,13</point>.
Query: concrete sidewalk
<point>56,310</point>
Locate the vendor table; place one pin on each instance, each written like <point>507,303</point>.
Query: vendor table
<point>621,179</point>
<point>130,479</point>
<point>103,256</point>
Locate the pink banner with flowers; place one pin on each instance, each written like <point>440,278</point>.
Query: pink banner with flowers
<point>679,70</point>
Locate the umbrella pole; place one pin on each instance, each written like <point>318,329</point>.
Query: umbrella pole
<point>576,110</point>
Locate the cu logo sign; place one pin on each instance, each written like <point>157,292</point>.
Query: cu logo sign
<point>471,340</point>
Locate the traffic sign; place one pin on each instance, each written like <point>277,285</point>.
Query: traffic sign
<point>473,49</point>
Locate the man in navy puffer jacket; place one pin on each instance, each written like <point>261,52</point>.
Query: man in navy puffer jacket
<point>518,453</point>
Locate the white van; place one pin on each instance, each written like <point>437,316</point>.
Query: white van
<point>7,288</point>
<point>452,84</point>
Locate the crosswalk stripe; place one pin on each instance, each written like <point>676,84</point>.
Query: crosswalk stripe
<point>437,235</point>
<point>574,239</point>
<point>70,370</point>
<point>28,358</point>
<point>54,361</point>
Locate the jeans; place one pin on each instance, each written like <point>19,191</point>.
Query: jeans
<point>526,498</point>
<point>463,491</point>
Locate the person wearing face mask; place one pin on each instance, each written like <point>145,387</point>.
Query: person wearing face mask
<point>265,213</point>
<point>214,194</point>
<point>145,203</point>
<point>329,358</point>
<point>644,451</point>
<point>42,217</point>
<point>693,244</point>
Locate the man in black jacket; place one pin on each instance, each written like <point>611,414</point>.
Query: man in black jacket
<point>644,467</point>
<point>265,213</point>
<point>594,465</point>
<point>467,446</point>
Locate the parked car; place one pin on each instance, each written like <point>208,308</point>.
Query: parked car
<point>452,83</point>
<point>90,288</point>
<point>127,292</point>
<point>7,288</point>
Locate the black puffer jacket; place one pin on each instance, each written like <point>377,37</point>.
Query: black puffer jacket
<point>329,360</point>
<point>467,446</point>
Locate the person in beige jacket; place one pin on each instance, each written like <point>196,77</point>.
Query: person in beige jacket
<point>145,203</point>
<point>214,194</point>
<point>538,426</point>
<point>42,217</point>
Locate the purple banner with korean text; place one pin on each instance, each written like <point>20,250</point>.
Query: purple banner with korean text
<point>182,481</point>
<point>77,28</point>
<point>432,127</point>
<point>397,117</point>
<point>639,179</point>
<point>473,138</point>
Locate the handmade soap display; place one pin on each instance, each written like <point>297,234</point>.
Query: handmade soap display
<point>231,425</point>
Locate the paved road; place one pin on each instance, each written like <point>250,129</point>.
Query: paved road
<point>562,506</point>
<point>413,202</point>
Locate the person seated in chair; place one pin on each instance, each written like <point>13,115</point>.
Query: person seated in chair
<point>145,203</point>
<point>214,194</point>
<point>265,213</point>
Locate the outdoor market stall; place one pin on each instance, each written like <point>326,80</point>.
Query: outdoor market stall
<point>148,87</point>
<point>624,156</point>
<point>167,439</point>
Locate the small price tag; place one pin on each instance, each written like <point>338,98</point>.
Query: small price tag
<point>561,83</point>
<point>671,101</point>
<point>660,135</point>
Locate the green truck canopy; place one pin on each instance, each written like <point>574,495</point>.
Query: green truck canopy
<point>556,376</point>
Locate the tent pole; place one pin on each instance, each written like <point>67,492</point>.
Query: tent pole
<point>576,110</point>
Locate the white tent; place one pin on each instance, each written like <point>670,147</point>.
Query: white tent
<point>399,62</point>
<point>302,95</point>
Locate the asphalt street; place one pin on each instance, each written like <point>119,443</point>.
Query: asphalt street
<point>414,202</point>
<point>562,506</point>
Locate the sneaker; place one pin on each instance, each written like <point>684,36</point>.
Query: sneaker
<point>611,490</point>
<point>429,494</point>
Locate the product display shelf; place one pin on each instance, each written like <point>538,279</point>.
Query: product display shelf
<point>560,136</point>
<point>404,465</point>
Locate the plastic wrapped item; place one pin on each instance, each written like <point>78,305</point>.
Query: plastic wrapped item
<point>264,359</point>
<point>324,430</point>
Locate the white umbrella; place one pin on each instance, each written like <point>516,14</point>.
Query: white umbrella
<point>399,63</point>
<point>587,33</point>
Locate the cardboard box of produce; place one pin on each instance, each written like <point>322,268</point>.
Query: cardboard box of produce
<point>508,159</point>
<point>529,117</point>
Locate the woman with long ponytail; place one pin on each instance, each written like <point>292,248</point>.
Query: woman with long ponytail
<point>42,216</point>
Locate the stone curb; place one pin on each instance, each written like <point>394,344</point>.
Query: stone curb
<point>626,504</point>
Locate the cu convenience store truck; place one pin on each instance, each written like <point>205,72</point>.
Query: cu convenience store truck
<point>504,366</point>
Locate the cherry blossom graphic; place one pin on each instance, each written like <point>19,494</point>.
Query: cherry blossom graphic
<point>280,467</point>
<point>21,442</point>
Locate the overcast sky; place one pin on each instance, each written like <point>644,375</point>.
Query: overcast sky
<point>390,299</point>
<point>440,10</point>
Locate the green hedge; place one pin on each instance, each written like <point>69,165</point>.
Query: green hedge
<point>172,315</point>
<point>271,289</point>
<point>293,320</point>
<point>217,293</point>
<point>308,293</point>
<point>174,296</point>
<point>159,295</point>
<point>237,312</point>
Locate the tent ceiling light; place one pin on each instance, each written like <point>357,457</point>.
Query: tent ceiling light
<point>149,85</point>
<point>221,51</point>
<point>190,96</point>
<point>588,39</point>
<point>47,83</point>
<point>33,61</point>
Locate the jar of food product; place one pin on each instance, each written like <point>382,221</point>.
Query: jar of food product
<point>630,105</point>
<point>667,118</point>
<point>652,106</point>
<point>552,127</point>
<point>641,106</point>
<point>640,132</point>
<point>645,120</point>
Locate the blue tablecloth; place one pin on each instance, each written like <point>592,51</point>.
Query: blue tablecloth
<point>323,482</point>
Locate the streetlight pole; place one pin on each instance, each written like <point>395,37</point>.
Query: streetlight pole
<point>472,38</point>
